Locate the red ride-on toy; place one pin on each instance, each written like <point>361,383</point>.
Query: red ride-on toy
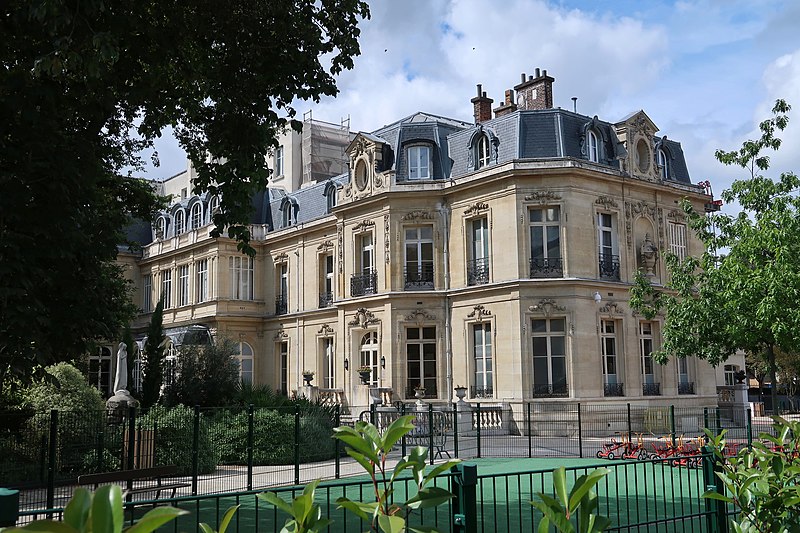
<point>613,449</point>
<point>635,451</point>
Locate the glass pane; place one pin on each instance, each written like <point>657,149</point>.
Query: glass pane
<point>557,346</point>
<point>553,245</point>
<point>429,333</point>
<point>537,242</point>
<point>553,214</point>
<point>426,232</point>
<point>540,375</point>
<point>558,324</point>
<point>539,346</point>
<point>539,325</point>
<point>427,251</point>
<point>412,333</point>
<point>411,234</point>
<point>535,215</point>
<point>559,371</point>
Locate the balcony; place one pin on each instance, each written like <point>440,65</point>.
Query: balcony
<point>546,267</point>
<point>325,299</point>
<point>609,266</point>
<point>613,389</point>
<point>651,389</point>
<point>418,277</point>
<point>281,304</point>
<point>481,392</point>
<point>364,283</point>
<point>686,387</point>
<point>550,391</point>
<point>478,271</point>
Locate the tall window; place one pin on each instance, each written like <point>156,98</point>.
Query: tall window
<point>478,266</point>
<point>328,364</point>
<point>592,147</point>
<point>650,386</point>
<point>245,358</point>
<point>545,230</point>
<point>419,163</point>
<point>730,375</point>
<point>369,357</point>
<point>607,241</point>
<point>180,221</point>
<point>201,283</point>
<point>685,385</point>
<point>161,228</point>
<point>663,164</point>
<point>100,370</point>
<point>326,281</point>
<point>483,151</point>
<point>241,277</point>
<point>482,353</point>
<point>282,290</point>
<point>419,257</point>
<point>421,360</point>
<point>147,293</point>
<point>183,285</point>
<point>608,340</point>
<point>279,161</point>
<point>213,208</point>
<point>286,215</point>
<point>166,288</point>
<point>197,215</point>
<point>283,351</point>
<point>367,253</point>
<point>677,239</point>
<point>365,277</point>
<point>549,357</point>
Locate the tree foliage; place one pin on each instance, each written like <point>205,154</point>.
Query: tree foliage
<point>744,291</point>
<point>86,86</point>
<point>154,357</point>
<point>207,375</point>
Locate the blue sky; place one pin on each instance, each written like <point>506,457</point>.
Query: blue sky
<point>705,71</point>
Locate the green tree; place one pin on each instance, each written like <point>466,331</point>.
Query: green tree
<point>154,358</point>
<point>68,391</point>
<point>744,291</point>
<point>207,375</point>
<point>86,86</point>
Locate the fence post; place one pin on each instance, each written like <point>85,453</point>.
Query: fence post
<point>455,429</point>
<point>101,447</point>
<point>372,416</point>
<point>717,422</point>
<point>155,436</point>
<point>672,424</point>
<point>403,440</point>
<point>630,424</point>
<point>337,451</point>
<point>195,449</point>
<point>131,442</point>
<point>705,421</point>
<point>250,445</point>
<point>580,432</point>
<point>478,426</point>
<point>528,424</point>
<point>749,429</point>
<point>51,460</point>
<point>296,444</point>
<point>465,502</point>
<point>717,517</point>
<point>430,432</point>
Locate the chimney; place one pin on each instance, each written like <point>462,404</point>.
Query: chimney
<point>482,106</point>
<point>508,106</point>
<point>535,92</point>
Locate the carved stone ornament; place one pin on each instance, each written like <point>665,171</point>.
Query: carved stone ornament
<point>641,208</point>
<point>325,246</point>
<point>363,318</point>
<point>479,312</point>
<point>611,308</point>
<point>648,254</point>
<point>476,208</point>
<point>418,214</point>
<point>386,256</point>
<point>340,238</point>
<point>542,197</point>
<point>677,215</point>
<point>281,335</point>
<point>325,330</point>
<point>546,306</point>
<point>363,225</point>
<point>607,202</point>
<point>281,258</point>
<point>420,315</point>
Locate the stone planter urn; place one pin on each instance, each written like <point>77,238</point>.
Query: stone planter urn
<point>419,394</point>
<point>308,377</point>
<point>364,373</point>
<point>461,393</point>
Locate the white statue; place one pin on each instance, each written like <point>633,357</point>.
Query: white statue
<point>121,379</point>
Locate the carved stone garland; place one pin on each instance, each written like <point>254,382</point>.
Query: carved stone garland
<point>479,312</point>
<point>419,315</point>
<point>325,330</point>
<point>281,335</point>
<point>611,308</point>
<point>607,202</point>
<point>476,208</point>
<point>418,214</point>
<point>386,239</point>
<point>543,197</point>
<point>546,306</point>
<point>363,318</point>
<point>325,246</point>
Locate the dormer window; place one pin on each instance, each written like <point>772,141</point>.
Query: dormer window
<point>161,228</point>
<point>484,152</point>
<point>288,212</point>
<point>213,208</point>
<point>330,196</point>
<point>180,221</point>
<point>197,215</point>
<point>419,163</point>
<point>593,151</point>
<point>663,164</point>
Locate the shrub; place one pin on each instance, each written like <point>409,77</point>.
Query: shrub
<point>175,437</point>
<point>207,375</point>
<point>68,391</point>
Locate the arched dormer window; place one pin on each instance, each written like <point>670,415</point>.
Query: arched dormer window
<point>197,215</point>
<point>483,146</point>
<point>484,153</point>
<point>419,162</point>
<point>160,229</point>
<point>180,221</point>
<point>663,164</point>
<point>288,212</point>
<point>213,208</point>
<point>330,196</point>
<point>592,147</point>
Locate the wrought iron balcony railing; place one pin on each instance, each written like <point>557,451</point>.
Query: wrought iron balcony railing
<point>651,389</point>
<point>281,304</point>
<point>550,391</point>
<point>325,299</point>
<point>364,283</point>
<point>478,271</point>
<point>613,389</point>
<point>419,276</point>
<point>481,392</point>
<point>546,267</point>
<point>686,387</point>
<point>609,266</point>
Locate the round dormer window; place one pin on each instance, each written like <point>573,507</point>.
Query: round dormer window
<point>643,155</point>
<point>360,174</point>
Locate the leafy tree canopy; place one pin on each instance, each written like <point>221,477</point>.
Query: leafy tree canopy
<point>744,291</point>
<point>87,85</point>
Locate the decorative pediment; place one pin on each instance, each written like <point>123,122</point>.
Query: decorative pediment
<point>365,161</point>
<point>325,330</point>
<point>476,208</point>
<point>363,318</point>
<point>418,214</point>
<point>479,312</point>
<point>364,225</point>
<point>637,131</point>
<point>639,122</point>
<point>325,246</point>
<point>543,197</point>
<point>546,306</point>
<point>281,335</point>
<point>607,202</point>
<point>611,308</point>
<point>420,315</point>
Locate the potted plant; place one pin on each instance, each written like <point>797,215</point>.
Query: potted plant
<point>365,372</point>
<point>308,375</point>
<point>461,392</point>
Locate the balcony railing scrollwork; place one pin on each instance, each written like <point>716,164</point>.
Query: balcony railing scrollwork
<point>419,276</point>
<point>478,271</point>
<point>613,389</point>
<point>364,283</point>
<point>546,267</point>
<point>550,391</point>
<point>281,304</point>
<point>481,392</point>
<point>609,266</point>
<point>325,299</point>
<point>686,387</point>
<point>651,389</point>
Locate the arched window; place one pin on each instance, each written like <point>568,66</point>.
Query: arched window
<point>161,227</point>
<point>483,151</point>
<point>245,358</point>
<point>419,163</point>
<point>663,164</point>
<point>330,196</point>
<point>369,357</point>
<point>288,216</point>
<point>180,221</point>
<point>197,215</point>
<point>213,208</point>
<point>592,146</point>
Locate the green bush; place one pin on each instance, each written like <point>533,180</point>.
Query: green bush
<point>207,375</point>
<point>175,438</point>
<point>67,390</point>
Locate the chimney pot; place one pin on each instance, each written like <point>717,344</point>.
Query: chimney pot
<point>509,96</point>
<point>530,78</point>
<point>479,89</point>
<point>522,78</point>
<point>544,72</point>
<point>537,72</point>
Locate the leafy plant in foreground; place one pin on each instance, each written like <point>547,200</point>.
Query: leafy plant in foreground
<point>581,502</point>
<point>306,516</point>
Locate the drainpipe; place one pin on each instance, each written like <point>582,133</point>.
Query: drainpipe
<point>444,210</point>
<point>299,338</point>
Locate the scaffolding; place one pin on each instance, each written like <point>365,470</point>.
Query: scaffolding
<point>323,148</point>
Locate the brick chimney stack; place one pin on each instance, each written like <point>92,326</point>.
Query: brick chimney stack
<point>535,92</point>
<point>508,106</point>
<point>482,106</point>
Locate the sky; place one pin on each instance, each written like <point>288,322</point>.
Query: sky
<point>705,71</point>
